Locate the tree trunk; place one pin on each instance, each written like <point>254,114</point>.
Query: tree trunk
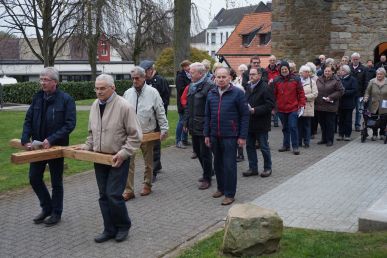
<point>181,31</point>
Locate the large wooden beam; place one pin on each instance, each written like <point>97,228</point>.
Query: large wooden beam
<point>72,152</point>
<point>37,155</point>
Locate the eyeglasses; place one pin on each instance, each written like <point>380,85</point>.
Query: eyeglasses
<point>45,80</point>
<point>136,78</point>
<point>256,62</point>
<point>100,89</point>
<point>253,74</point>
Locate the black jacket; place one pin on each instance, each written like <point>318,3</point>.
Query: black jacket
<point>52,119</point>
<point>181,82</point>
<point>360,74</point>
<point>196,106</point>
<point>162,86</point>
<point>261,98</point>
<point>246,77</point>
<point>380,64</point>
<point>348,100</point>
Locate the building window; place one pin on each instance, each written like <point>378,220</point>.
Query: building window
<point>246,39</point>
<point>213,54</point>
<point>226,35</point>
<point>208,38</point>
<point>264,38</point>
<point>103,48</point>
<point>213,38</point>
<point>221,38</point>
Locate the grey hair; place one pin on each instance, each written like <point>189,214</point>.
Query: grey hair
<point>312,67</point>
<point>223,67</point>
<point>273,56</point>
<point>242,67</point>
<point>355,55</point>
<point>198,67</point>
<point>106,78</point>
<point>381,70</point>
<point>138,70</point>
<point>329,61</point>
<point>305,68</point>
<point>346,68</point>
<point>51,72</point>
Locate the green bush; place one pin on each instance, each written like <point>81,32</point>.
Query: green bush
<point>164,63</point>
<point>22,92</point>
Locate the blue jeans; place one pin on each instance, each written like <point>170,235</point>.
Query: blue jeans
<point>111,183</point>
<point>304,130</point>
<point>50,204</point>
<point>289,129</point>
<point>359,105</point>
<point>252,152</point>
<point>225,166</point>
<point>180,134</point>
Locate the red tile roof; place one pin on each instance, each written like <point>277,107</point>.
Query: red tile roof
<point>236,53</point>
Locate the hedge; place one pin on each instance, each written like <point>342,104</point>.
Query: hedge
<point>22,92</point>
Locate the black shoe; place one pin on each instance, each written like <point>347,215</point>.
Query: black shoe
<point>275,125</point>
<point>121,235</point>
<point>283,149</point>
<point>40,218</point>
<point>103,238</point>
<point>329,144</point>
<point>321,142</point>
<point>296,152</point>
<point>266,173</point>
<point>52,220</point>
<point>186,143</point>
<point>250,173</point>
<point>357,128</point>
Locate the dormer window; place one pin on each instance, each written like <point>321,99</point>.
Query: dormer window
<point>248,37</point>
<point>264,39</point>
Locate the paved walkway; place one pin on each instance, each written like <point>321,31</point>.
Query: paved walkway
<point>176,211</point>
<point>332,193</point>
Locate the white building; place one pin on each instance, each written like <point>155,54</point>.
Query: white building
<point>221,27</point>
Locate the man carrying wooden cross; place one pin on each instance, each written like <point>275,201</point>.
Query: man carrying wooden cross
<point>49,120</point>
<point>150,112</point>
<point>113,129</point>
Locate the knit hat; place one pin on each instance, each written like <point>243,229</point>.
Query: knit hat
<point>284,63</point>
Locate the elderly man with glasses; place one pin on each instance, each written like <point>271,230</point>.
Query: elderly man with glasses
<point>255,62</point>
<point>49,121</point>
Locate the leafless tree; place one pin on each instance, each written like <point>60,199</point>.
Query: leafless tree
<point>51,22</point>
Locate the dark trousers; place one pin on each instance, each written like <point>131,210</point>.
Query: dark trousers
<point>345,122</point>
<point>327,124</point>
<point>304,130</point>
<point>314,123</point>
<point>50,204</point>
<point>204,155</point>
<point>156,157</point>
<point>111,184</point>
<point>252,151</point>
<point>224,150</point>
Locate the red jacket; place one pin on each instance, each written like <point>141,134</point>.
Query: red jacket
<point>272,73</point>
<point>289,93</point>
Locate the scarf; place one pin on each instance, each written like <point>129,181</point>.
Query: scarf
<point>193,85</point>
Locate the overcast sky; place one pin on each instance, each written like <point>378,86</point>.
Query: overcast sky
<point>209,8</point>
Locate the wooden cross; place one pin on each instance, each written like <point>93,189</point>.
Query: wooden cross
<point>67,152</point>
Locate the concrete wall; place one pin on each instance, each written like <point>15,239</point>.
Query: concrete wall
<point>302,30</point>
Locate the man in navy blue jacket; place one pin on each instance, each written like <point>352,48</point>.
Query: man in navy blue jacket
<point>225,128</point>
<point>49,121</point>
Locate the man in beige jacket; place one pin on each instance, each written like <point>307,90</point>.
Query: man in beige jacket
<point>113,128</point>
<point>150,113</point>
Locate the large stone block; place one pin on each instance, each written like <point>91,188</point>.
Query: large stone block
<point>251,230</point>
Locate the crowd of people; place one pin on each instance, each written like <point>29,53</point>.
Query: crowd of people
<point>223,110</point>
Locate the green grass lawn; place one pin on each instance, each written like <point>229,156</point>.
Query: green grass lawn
<point>299,243</point>
<point>16,176</point>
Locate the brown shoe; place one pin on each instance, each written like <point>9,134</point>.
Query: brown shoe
<point>204,185</point>
<point>128,196</point>
<point>227,201</point>
<point>266,173</point>
<point>217,194</point>
<point>146,190</point>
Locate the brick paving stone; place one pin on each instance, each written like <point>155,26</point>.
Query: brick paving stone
<point>175,212</point>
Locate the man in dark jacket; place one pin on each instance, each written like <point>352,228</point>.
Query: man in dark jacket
<point>358,71</point>
<point>161,85</point>
<point>260,99</point>
<point>382,63</point>
<point>255,62</point>
<point>225,127</point>
<point>347,103</point>
<point>183,79</point>
<point>194,119</point>
<point>49,121</point>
